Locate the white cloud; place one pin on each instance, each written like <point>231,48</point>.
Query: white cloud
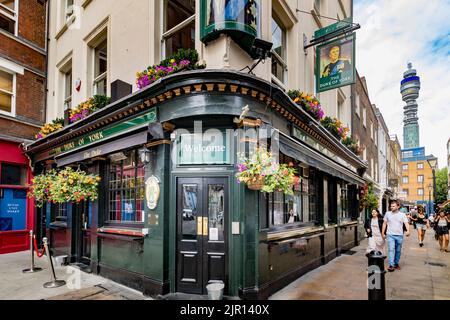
<point>392,34</point>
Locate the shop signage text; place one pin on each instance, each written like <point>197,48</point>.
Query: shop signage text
<point>101,134</point>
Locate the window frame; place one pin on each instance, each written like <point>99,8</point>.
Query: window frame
<point>11,15</point>
<point>13,94</point>
<point>97,76</point>
<point>165,35</point>
<point>420,166</point>
<point>125,223</point>
<point>419,193</point>
<point>403,179</point>
<point>14,186</point>
<point>68,8</point>
<point>403,167</point>
<point>68,87</point>
<point>420,176</point>
<point>282,61</point>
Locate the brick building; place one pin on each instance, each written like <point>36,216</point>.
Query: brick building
<point>22,112</point>
<point>365,130</point>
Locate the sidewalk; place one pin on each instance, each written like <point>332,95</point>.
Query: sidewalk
<point>15,285</point>
<point>425,275</point>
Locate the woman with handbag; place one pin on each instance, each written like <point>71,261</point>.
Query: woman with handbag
<point>373,227</point>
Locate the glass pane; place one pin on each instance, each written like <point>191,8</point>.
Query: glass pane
<point>7,24</point>
<point>68,84</point>
<point>13,175</point>
<point>5,102</point>
<point>278,208</point>
<point>6,81</point>
<point>278,37</point>
<point>178,11</point>
<point>277,69</point>
<point>8,3</point>
<point>294,205</point>
<point>216,209</point>
<point>184,38</point>
<point>189,210</point>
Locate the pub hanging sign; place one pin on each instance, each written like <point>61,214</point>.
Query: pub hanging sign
<point>335,63</point>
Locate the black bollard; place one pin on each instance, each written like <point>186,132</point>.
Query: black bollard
<point>376,276</point>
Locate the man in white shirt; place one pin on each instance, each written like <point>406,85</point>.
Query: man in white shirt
<point>394,221</point>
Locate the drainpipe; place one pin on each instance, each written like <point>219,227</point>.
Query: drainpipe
<point>47,40</point>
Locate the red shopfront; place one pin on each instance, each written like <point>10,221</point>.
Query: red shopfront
<point>16,209</point>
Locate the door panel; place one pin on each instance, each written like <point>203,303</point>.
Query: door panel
<point>202,213</point>
<point>189,244</point>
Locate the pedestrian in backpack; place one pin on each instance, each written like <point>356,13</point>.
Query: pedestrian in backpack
<point>395,222</point>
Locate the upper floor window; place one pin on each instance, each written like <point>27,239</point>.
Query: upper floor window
<point>179,26</point>
<point>7,92</point>
<point>364,116</point>
<point>279,48</point>
<point>404,167</point>
<point>101,68</point>
<point>68,89</point>
<point>420,192</point>
<point>357,104</point>
<point>420,178</point>
<point>420,165</point>
<point>8,15</point>
<point>405,180</point>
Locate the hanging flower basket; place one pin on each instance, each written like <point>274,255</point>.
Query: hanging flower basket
<point>261,172</point>
<point>64,186</point>
<point>257,183</point>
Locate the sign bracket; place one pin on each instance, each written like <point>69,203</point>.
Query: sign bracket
<point>332,35</point>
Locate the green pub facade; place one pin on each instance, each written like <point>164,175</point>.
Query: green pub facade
<point>170,215</point>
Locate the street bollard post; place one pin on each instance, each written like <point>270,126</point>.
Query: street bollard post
<point>32,268</point>
<point>54,283</point>
<point>376,276</point>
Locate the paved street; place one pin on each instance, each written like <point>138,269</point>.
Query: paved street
<point>425,275</point>
<point>15,285</point>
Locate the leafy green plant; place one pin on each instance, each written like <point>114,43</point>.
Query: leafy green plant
<point>335,127</point>
<point>369,201</point>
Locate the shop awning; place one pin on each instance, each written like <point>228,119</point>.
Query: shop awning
<point>102,149</point>
<point>305,154</point>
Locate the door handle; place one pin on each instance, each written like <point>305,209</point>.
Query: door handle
<point>199,226</point>
<point>205,226</point>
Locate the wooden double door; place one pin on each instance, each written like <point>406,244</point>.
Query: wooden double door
<point>202,224</point>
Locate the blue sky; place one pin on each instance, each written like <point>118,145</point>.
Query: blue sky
<point>392,34</point>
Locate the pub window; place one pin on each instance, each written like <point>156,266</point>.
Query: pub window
<point>100,68</point>
<point>7,92</point>
<point>343,202</point>
<point>126,188</point>
<point>313,198</point>
<point>8,15</point>
<point>59,212</point>
<point>299,208</point>
<point>179,26</point>
<point>13,175</point>
<point>279,65</point>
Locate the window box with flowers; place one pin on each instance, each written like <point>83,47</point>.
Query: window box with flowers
<point>64,186</point>
<point>353,145</point>
<point>260,171</point>
<point>87,107</point>
<point>308,102</point>
<point>180,61</point>
<point>49,128</point>
<point>335,127</point>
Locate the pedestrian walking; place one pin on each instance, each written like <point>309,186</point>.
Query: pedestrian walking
<point>395,223</point>
<point>441,224</point>
<point>373,226</point>
<point>422,223</point>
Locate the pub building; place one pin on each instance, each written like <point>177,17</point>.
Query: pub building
<point>171,216</point>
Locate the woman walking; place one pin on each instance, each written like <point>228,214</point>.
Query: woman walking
<point>421,222</point>
<point>441,223</point>
<point>373,228</point>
